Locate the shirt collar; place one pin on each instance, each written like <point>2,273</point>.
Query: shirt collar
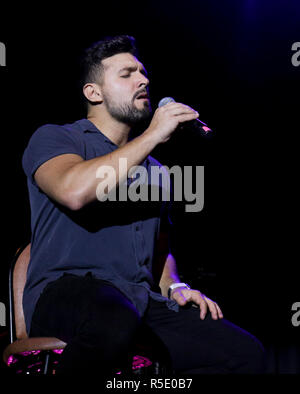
<point>88,127</point>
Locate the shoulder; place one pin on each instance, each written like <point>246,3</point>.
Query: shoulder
<point>51,140</point>
<point>52,137</point>
<point>70,130</point>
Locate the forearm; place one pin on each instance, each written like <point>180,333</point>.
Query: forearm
<point>72,181</point>
<point>169,275</point>
<point>82,180</point>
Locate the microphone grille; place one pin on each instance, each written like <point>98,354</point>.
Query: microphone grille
<point>165,101</point>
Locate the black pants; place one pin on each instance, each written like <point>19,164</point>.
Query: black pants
<point>101,327</point>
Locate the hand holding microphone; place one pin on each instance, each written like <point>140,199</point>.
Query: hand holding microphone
<point>170,115</point>
<point>196,124</point>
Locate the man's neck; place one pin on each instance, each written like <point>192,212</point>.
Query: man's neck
<point>116,131</point>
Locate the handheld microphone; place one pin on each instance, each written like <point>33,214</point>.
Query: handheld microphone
<point>196,124</point>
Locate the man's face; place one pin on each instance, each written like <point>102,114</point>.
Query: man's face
<point>125,89</point>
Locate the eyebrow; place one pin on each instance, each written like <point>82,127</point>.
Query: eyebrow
<point>132,69</point>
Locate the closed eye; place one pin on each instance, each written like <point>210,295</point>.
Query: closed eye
<point>130,70</point>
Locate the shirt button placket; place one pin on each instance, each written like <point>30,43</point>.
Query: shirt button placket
<point>138,242</point>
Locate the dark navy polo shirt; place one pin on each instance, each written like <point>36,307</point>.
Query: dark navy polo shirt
<point>114,240</point>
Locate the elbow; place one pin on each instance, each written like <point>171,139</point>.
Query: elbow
<point>73,205</point>
<point>73,201</point>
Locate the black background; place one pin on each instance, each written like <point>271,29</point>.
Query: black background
<point>230,60</point>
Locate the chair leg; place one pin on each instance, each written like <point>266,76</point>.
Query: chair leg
<point>46,366</point>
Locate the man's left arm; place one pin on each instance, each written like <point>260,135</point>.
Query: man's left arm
<point>182,295</point>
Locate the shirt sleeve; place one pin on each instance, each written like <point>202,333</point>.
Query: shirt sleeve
<point>46,143</point>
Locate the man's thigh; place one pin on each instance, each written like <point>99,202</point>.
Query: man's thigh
<point>72,303</point>
<point>213,346</point>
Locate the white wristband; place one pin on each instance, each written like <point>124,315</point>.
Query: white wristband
<point>174,285</point>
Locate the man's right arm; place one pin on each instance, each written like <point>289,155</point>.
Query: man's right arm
<point>71,181</point>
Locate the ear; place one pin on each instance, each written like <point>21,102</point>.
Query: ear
<point>92,92</point>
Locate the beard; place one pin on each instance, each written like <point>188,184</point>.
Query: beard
<point>127,113</point>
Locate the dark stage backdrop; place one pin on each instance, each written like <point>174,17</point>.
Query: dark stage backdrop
<point>230,60</point>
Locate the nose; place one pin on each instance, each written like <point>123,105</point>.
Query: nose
<point>143,81</point>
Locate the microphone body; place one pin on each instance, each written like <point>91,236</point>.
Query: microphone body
<point>195,124</point>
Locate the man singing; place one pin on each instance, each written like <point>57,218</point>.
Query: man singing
<point>101,270</point>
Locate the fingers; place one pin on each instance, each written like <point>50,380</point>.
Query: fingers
<point>182,296</point>
<point>167,118</point>
<point>200,300</point>
<point>214,308</point>
<point>183,113</point>
<point>182,110</point>
<point>220,313</point>
<point>187,117</point>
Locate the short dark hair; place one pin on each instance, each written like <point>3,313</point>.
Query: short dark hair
<point>91,60</point>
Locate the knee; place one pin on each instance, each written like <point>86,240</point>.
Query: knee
<point>253,357</point>
<point>256,357</point>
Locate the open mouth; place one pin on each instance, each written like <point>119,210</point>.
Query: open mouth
<point>142,96</point>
